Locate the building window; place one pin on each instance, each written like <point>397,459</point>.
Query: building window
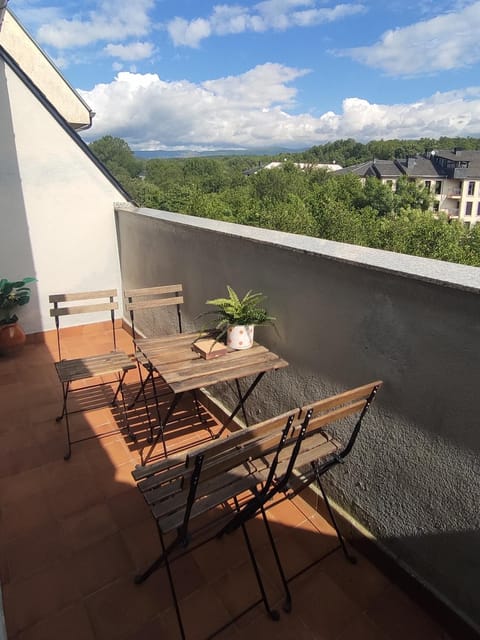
<point>471,188</point>
<point>389,183</point>
<point>438,187</point>
<point>468,209</point>
<point>428,184</point>
<point>436,206</point>
<point>478,209</point>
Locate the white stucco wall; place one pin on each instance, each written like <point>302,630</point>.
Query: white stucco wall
<point>43,73</point>
<point>56,206</point>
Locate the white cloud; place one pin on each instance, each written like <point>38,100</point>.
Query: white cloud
<point>111,21</point>
<point>251,110</point>
<point>34,15</point>
<point>445,42</point>
<point>261,87</point>
<point>270,14</point>
<point>188,33</point>
<point>132,51</point>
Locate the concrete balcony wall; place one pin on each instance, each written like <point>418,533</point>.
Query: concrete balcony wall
<point>345,316</point>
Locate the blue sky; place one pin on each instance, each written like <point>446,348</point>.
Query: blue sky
<point>195,74</point>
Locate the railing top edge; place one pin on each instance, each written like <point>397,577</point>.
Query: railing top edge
<point>446,274</point>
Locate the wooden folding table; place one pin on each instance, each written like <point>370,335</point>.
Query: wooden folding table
<point>184,369</point>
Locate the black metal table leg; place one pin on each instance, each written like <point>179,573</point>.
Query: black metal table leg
<point>176,399</point>
<point>241,402</point>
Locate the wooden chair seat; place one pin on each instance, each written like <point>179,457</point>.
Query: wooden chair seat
<point>171,518</point>
<point>114,364</point>
<point>93,366</point>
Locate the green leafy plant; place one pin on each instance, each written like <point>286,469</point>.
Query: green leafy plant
<point>12,295</point>
<point>234,310</point>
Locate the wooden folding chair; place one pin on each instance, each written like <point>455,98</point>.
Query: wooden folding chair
<point>318,447</point>
<point>114,364</point>
<point>140,300</point>
<point>206,482</point>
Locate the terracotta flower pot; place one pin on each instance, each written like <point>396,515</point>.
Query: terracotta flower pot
<point>12,338</point>
<point>240,337</point>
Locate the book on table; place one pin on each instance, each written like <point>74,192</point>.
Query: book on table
<point>209,348</point>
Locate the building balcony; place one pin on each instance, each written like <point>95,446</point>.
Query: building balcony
<point>74,533</point>
<point>454,193</point>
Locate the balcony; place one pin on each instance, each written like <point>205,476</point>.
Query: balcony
<point>454,193</point>
<point>73,534</point>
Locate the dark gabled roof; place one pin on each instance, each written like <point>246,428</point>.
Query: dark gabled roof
<point>464,164</point>
<point>386,169</point>
<point>413,166</point>
<point>458,155</point>
<point>420,167</point>
<point>61,121</point>
<point>359,169</point>
<point>373,168</point>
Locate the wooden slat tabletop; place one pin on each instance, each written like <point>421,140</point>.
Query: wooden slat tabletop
<point>184,369</point>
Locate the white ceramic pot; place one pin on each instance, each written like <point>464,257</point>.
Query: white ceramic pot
<point>240,337</point>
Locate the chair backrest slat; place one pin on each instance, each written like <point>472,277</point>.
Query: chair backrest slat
<point>83,308</point>
<point>86,295</point>
<point>253,451</point>
<point>241,437</point>
<point>152,298</point>
<point>353,402</point>
<point>60,309</point>
<point>151,304</point>
<point>154,291</point>
<point>342,398</point>
<point>320,422</point>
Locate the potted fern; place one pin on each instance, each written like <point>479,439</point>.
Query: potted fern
<point>237,317</point>
<point>12,295</point>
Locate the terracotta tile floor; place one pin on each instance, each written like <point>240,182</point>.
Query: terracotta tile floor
<point>73,534</point>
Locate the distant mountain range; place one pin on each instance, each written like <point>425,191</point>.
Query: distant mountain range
<point>267,151</point>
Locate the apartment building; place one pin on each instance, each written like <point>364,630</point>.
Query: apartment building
<point>459,194</point>
<point>453,177</point>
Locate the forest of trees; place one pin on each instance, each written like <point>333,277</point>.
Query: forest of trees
<point>348,152</point>
<point>312,202</point>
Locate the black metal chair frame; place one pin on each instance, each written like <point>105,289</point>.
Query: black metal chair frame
<point>116,363</point>
<point>151,298</point>
<point>283,484</point>
<point>182,540</point>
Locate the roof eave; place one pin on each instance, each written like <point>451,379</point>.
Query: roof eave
<point>63,123</point>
